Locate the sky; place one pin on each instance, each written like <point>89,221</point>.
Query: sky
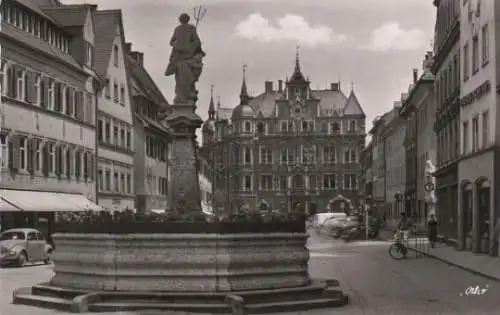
<point>370,45</point>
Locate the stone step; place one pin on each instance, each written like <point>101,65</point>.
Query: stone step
<point>112,306</point>
<point>294,306</point>
<point>48,290</point>
<point>43,301</point>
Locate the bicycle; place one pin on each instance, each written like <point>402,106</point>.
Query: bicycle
<point>398,249</point>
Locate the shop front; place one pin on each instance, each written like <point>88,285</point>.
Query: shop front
<point>37,209</point>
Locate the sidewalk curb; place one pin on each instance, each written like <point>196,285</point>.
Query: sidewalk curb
<point>450,263</point>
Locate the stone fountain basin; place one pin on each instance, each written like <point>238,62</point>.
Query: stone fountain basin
<point>180,262</point>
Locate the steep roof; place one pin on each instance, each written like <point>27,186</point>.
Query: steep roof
<point>105,24</point>
<point>38,44</point>
<point>352,107</point>
<point>35,6</point>
<point>144,85</point>
<point>69,15</point>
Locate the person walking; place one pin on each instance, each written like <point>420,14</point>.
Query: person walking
<point>432,226</point>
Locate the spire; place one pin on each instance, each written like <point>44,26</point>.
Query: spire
<point>352,86</point>
<point>244,98</point>
<point>211,107</point>
<point>297,73</point>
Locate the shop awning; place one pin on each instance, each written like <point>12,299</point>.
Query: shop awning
<point>41,201</point>
<point>80,201</point>
<point>7,207</point>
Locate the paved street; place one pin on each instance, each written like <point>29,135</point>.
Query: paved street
<point>375,283</point>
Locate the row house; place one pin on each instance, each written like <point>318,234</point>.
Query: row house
<point>151,138</point>
<point>47,132</point>
<point>478,167</point>
<point>114,116</point>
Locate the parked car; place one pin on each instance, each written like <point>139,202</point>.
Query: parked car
<point>18,246</point>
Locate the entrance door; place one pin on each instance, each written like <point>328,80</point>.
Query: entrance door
<point>467,217</point>
<point>483,208</point>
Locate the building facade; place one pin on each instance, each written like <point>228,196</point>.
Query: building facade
<point>419,111</point>
<point>150,136</point>
<point>114,117</point>
<point>479,166</point>
<point>395,172</point>
<point>446,69</point>
<point>288,148</point>
<point>47,121</point>
<point>378,168</point>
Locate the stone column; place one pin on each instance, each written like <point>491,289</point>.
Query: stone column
<point>184,189</point>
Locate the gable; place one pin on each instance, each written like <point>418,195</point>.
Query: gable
<point>352,106</point>
<point>88,29</point>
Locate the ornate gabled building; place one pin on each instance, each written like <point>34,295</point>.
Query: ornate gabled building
<point>287,148</point>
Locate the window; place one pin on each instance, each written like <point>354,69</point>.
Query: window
<point>329,181</point>
<point>475,133</point>
<point>247,183</point>
<point>465,137</point>
<point>23,153</point>
<point>247,155</point>
<point>52,87</point>
<point>5,148</point>
<point>107,132</point>
<point>122,95</point>
<point>108,180</point>
<point>129,184</point>
<point>122,183</point>
<point>107,91</point>
<point>89,55</point>
<point>485,134</point>
<point>100,124</point>
<point>261,128</point>
<point>122,138</point>
<point>38,155</point>
<point>286,156</point>
<point>307,126</point>
<point>266,182</point>
<point>350,156</point>
<point>266,155</point>
<point>247,127</point>
<point>129,141</point>
<point>329,155</point>
<point>350,181</point>
<point>485,44</point>
<point>466,62</point>
<point>115,55</point>
<point>334,127</point>
<point>116,186</point>
<point>115,135</point>
<point>286,126</point>
<point>283,182</point>
<point>475,54</point>
<point>352,126</point>
<point>115,92</point>
<point>52,158</point>
<point>100,180</point>
<point>20,83</point>
<point>308,154</point>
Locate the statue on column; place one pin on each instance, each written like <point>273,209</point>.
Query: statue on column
<point>186,61</point>
<point>430,187</point>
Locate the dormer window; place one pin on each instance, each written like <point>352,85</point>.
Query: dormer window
<point>88,56</point>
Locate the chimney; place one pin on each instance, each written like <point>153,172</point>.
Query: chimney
<point>138,57</point>
<point>397,104</point>
<point>128,48</point>
<point>280,85</point>
<point>415,75</point>
<point>269,86</point>
<point>334,87</point>
<point>404,96</point>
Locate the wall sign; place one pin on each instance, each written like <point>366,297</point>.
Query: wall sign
<point>476,95</point>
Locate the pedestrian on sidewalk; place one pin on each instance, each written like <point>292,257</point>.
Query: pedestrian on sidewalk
<point>432,228</point>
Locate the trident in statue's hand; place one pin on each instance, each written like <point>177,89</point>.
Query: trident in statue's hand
<point>198,14</point>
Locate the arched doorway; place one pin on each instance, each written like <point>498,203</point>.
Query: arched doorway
<point>340,204</point>
<point>483,211</point>
<point>467,215</point>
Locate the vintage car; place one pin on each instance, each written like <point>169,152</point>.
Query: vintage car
<point>19,246</point>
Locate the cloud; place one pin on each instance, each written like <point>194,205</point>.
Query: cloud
<point>391,36</point>
<point>288,27</point>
